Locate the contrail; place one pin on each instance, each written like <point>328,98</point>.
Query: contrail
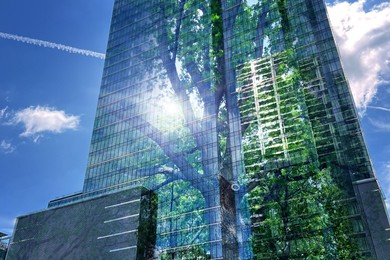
<point>52,45</point>
<point>380,108</point>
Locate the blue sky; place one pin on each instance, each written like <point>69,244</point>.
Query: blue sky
<point>48,96</point>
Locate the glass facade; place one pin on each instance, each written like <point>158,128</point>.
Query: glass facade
<point>238,115</point>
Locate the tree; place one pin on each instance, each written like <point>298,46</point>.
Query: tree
<point>189,146</point>
<point>193,154</point>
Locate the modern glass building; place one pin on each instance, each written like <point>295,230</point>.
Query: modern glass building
<point>237,114</point>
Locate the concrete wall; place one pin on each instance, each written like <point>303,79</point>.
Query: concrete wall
<point>115,226</point>
<point>371,199</point>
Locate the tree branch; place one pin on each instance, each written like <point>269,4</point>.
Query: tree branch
<point>187,172</point>
<point>167,181</point>
<point>177,30</point>
<point>261,24</point>
<point>170,67</point>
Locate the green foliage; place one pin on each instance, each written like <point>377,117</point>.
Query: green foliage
<point>147,225</point>
<point>282,6</point>
<point>181,209</point>
<point>190,252</point>
<point>216,54</point>
<point>296,204</point>
<point>295,215</point>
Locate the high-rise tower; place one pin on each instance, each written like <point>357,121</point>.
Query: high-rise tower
<point>237,114</point>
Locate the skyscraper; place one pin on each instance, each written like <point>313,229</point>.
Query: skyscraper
<point>237,114</point>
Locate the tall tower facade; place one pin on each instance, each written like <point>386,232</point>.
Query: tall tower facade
<point>237,114</point>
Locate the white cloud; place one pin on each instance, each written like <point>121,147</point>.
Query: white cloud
<point>7,225</point>
<point>6,147</point>
<point>37,120</point>
<point>3,112</point>
<point>363,38</point>
<point>387,183</point>
<point>380,124</point>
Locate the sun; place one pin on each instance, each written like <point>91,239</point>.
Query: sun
<point>171,108</point>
